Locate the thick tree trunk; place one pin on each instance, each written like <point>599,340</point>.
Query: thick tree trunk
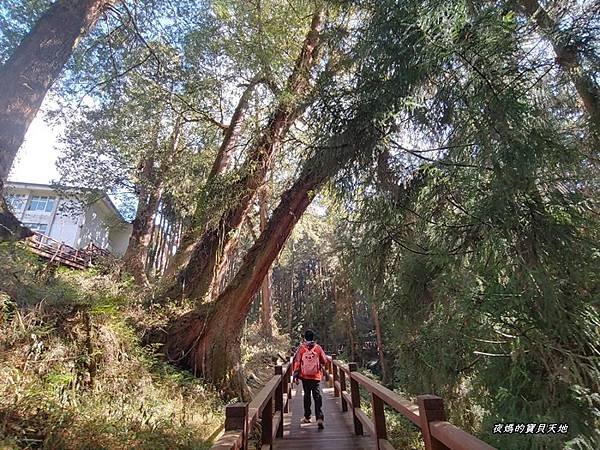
<point>159,239</point>
<point>34,66</point>
<point>222,268</point>
<point>10,227</point>
<point>195,279</point>
<point>28,74</point>
<point>139,243</point>
<point>568,58</point>
<point>151,254</point>
<point>265,291</point>
<point>153,169</point>
<point>203,339</point>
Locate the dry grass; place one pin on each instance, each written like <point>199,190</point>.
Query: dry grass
<point>260,354</point>
<point>73,374</point>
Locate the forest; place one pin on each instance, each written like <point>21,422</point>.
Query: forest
<point>416,181</point>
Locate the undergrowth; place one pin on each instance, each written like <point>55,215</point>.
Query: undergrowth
<point>402,433</point>
<point>260,354</point>
<point>73,372</point>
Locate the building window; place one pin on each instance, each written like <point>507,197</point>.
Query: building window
<point>41,203</point>
<point>16,202</point>
<point>39,227</point>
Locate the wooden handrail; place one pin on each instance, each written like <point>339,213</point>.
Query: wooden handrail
<point>428,413</point>
<point>405,407</point>
<point>453,437</point>
<point>269,405</point>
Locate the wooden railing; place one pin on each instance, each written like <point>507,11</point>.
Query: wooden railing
<point>268,407</point>
<point>428,413</point>
<point>57,251</point>
<point>94,251</point>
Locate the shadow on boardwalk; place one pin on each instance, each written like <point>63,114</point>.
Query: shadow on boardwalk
<point>337,435</point>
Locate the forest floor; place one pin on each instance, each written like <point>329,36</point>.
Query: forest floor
<point>74,372</point>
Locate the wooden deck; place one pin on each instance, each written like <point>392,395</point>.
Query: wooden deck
<point>61,253</point>
<point>337,435</point>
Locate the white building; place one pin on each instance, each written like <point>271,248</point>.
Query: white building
<point>68,220</point>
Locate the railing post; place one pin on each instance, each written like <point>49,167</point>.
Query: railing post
<point>267,424</point>
<point>286,388</point>
<point>342,375</point>
<point>378,419</point>
<point>285,379</point>
<point>235,419</point>
<point>334,376</point>
<point>431,409</point>
<point>279,399</point>
<point>289,391</point>
<point>355,394</point>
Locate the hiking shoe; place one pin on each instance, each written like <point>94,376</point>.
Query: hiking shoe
<point>320,424</point>
<point>305,420</point>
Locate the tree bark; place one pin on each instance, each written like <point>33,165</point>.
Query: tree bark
<point>196,277</point>
<point>158,244</point>
<point>31,70</point>
<point>162,243</point>
<point>568,58</point>
<point>153,169</point>
<point>265,291</point>
<point>141,235</point>
<point>232,134</point>
<point>152,247</point>
<point>379,337</point>
<point>219,167</point>
<point>28,74</point>
<point>204,339</point>
<point>351,328</point>
<point>10,227</point>
<point>222,267</point>
<point>378,282</point>
<point>290,315</point>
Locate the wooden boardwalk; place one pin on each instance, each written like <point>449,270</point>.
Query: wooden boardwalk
<point>280,430</point>
<point>337,435</point>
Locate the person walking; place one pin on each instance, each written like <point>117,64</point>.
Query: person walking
<point>309,365</point>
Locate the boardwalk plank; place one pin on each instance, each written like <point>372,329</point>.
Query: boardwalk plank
<point>337,435</point>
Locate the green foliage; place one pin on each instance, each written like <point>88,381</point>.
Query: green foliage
<point>262,36</point>
<point>490,282</point>
<point>308,288</point>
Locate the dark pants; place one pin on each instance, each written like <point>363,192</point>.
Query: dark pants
<point>312,387</point>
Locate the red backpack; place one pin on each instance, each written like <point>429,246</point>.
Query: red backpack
<point>310,365</point>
